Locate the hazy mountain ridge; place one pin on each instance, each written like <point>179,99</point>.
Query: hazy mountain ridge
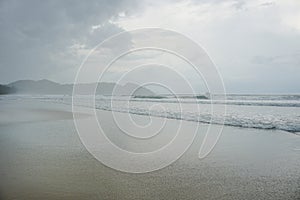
<point>4,89</point>
<point>49,87</point>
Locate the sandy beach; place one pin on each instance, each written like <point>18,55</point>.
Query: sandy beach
<point>42,158</point>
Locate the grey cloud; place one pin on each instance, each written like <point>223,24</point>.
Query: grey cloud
<point>271,3</point>
<point>280,60</point>
<point>239,5</point>
<point>36,36</point>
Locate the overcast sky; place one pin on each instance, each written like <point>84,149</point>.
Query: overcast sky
<point>254,44</point>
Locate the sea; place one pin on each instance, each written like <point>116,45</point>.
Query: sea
<point>273,112</point>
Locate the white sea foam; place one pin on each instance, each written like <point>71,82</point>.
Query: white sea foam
<point>281,112</point>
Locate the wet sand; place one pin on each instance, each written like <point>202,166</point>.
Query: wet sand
<point>43,158</point>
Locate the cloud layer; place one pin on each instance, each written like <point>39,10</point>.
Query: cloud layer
<point>255,44</point>
<point>45,39</point>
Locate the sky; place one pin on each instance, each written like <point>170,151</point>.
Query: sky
<point>255,45</point>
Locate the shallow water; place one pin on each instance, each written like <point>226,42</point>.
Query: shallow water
<point>44,159</point>
<point>280,112</point>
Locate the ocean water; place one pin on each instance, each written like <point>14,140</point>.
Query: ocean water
<point>279,112</point>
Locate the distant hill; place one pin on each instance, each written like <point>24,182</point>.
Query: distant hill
<point>39,87</point>
<point>49,87</point>
<point>6,89</point>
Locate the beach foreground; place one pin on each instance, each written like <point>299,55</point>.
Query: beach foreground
<point>42,158</point>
